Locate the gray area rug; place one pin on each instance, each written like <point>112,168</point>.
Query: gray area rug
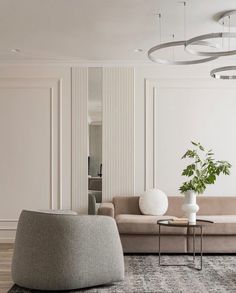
<point>143,275</point>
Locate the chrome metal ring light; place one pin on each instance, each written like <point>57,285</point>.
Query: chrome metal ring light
<point>195,40</point>
<point>177,62</point>
<point>215,73</point>
<point>227,18</point>
<point>174,44</point>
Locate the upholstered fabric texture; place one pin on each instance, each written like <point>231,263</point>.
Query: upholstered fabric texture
<point>139,233</point>
<point>64,252</point>
<point>144,224</point>
<point>106,209</point>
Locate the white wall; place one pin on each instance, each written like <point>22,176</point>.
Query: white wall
<point>35,129</point>
<point>211,109</point>
<point>35,170</point>
<point>43,129</point>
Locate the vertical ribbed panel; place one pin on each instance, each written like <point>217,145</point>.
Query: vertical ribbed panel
<point>79,139</point>
<point>118,132</point>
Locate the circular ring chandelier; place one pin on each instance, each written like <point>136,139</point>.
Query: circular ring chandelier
<point>216,73</point>
<point>228,18</point>
<point>177,62</point>
<point>194,40</point>
<point>174,44</point>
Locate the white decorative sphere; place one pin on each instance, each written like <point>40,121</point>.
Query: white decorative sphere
<point>153,202</point>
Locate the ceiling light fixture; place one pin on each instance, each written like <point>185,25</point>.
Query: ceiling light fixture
<point>175,62</point>
<point>195,40</point>
<point>215,73</point>
<point>176,44</point>
<point>227,18</point>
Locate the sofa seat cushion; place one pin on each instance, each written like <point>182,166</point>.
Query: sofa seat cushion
<point>145,224</point>
<point>223,225</point>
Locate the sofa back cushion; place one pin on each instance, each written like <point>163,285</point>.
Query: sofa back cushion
<point>209,205</point>
<point>175,206</point>
<point>216,205</point>
<point>126,205</point>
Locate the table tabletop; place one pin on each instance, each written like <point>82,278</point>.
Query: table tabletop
<point>199,223</point>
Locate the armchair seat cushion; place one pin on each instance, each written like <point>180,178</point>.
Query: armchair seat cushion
<point>145,224</point>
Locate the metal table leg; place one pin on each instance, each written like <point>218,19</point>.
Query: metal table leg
<point>193,252</point>
<point>193,244</point>
<point>159,245</point>
<point>201,249</point>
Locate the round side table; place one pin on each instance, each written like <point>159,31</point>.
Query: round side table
<point>200,224</point>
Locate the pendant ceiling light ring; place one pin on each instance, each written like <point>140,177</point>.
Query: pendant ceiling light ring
<point>227,18</point>
<point>176,62</point>
<point>174,44</point>
<point>195,40</point>
<point>216,73</point>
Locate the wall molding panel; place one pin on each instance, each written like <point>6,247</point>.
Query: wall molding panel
<point>37,142</point>
<point>79,139</point>
<point>153,87</point>
<point>118,132</point>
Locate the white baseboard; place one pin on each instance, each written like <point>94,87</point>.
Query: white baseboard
<point>7,240</point>
<point>7,236</point>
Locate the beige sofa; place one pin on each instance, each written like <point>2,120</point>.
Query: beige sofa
<point>139,233</point>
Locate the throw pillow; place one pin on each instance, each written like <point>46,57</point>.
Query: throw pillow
<point>153,202</point>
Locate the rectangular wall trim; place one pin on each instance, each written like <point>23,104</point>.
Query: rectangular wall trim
<point>79,139</point>
<point>156,146</point>
<point>118,132</point>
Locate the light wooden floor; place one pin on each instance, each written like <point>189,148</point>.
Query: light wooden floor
<point>6,251</point>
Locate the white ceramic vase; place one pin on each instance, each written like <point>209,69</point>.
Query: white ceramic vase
<point>190,206</point>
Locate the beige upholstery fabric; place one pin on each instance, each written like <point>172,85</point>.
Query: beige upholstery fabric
<point>138,231</point>
<point>175,206</point>
<point>150,243</point>
<point>209,205</point>
<point>223,225</point>
<point>127,205</point>
<point>215,244</point>
<point>216,205</point>
<point>144,224</point>
<point>106,209</point>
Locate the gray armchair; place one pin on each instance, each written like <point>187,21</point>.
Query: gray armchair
<point>66,252</point>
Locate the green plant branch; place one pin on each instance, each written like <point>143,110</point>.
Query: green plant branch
<point>204,170</point>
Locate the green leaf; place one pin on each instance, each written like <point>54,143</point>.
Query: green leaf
<point>201,148</point>
<point>194,143</point>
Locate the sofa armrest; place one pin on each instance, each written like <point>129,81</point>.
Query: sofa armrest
<point>107,209</point>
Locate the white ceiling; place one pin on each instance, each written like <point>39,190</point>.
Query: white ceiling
<point>99,29</point>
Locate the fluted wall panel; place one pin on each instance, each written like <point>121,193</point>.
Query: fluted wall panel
<point>118,132</point>
<point>79,139</point>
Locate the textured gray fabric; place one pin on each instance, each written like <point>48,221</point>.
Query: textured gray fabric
<point>65,252</point>
<point>94,197</point>
<point>58,212</point>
